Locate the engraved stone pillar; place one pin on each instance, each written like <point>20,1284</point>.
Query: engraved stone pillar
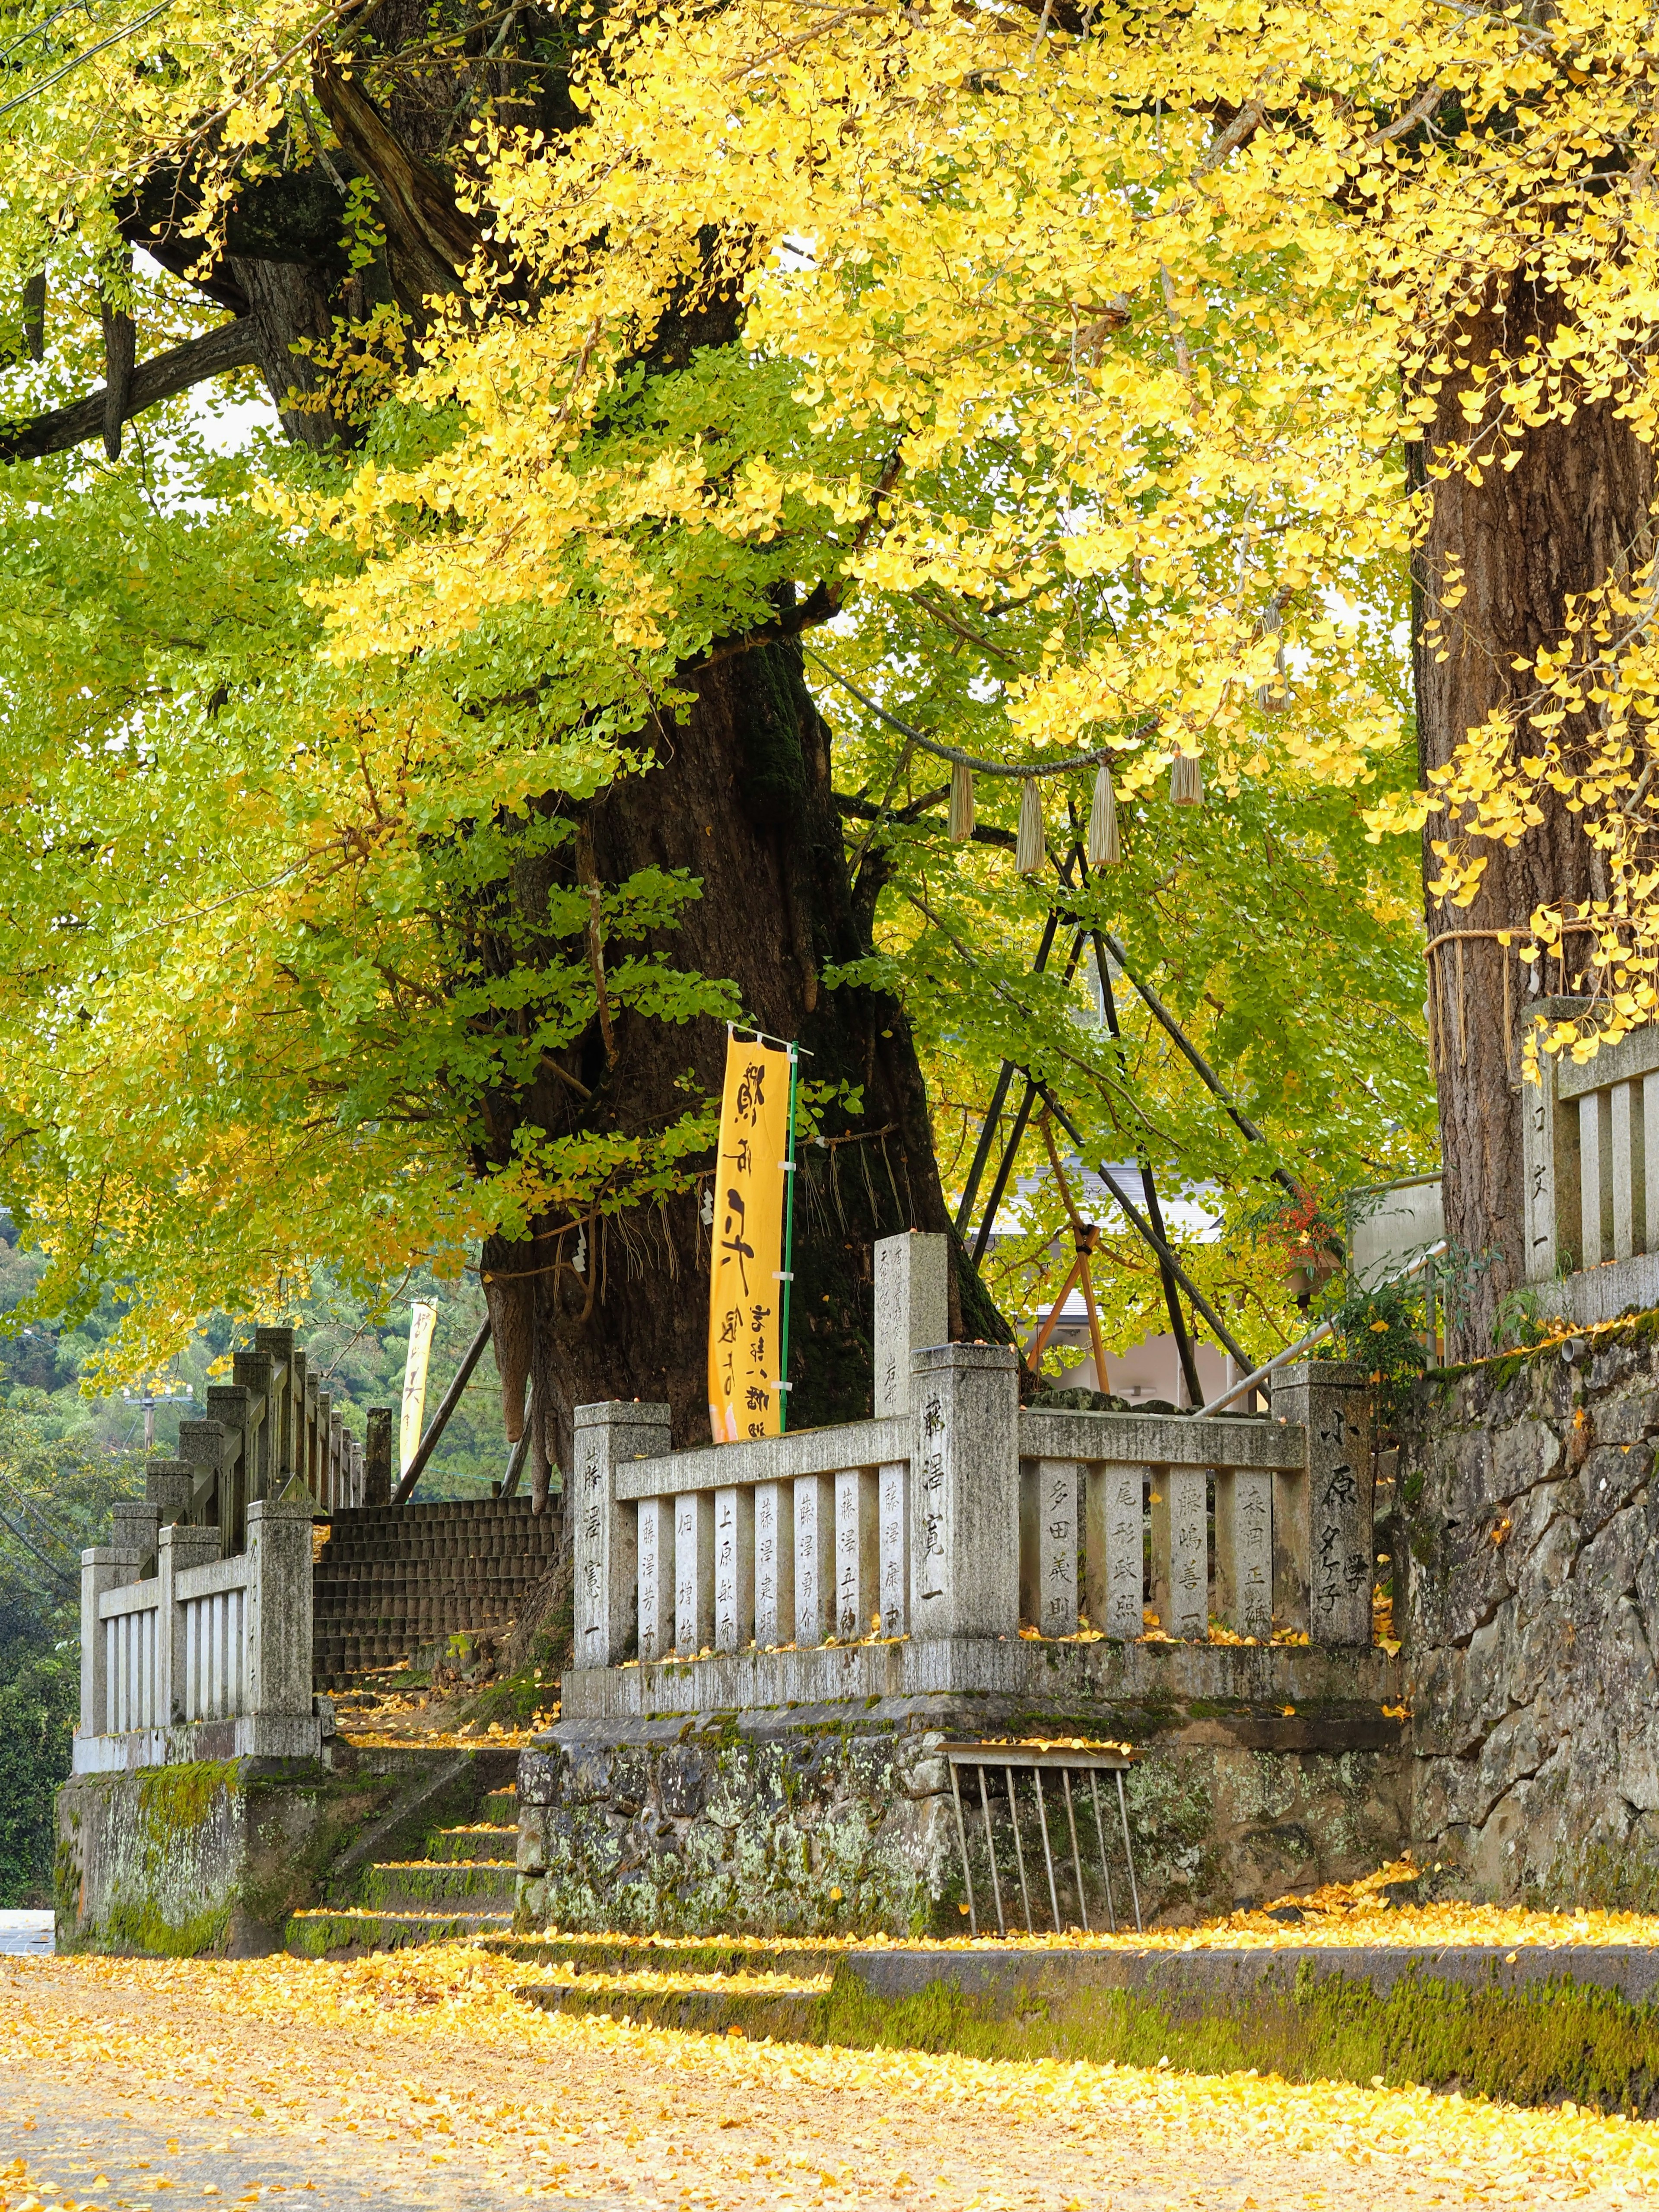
<point>774,1564</point>
<point>1114,1549</point>
<point>964,1491</point>
<point>857,1555</point>
<point>893,1506</point>
<point>1048,1544</point>
<point>1329,1538</point>
<point>655,1539</point>
<point>913,1276</point>
<point>605,1535</point>
<point>279,1606</point>
<point>1245,1550</point>
<point>694,1573</point>
<point>105,1567</point>
<point>1181,1569</point>
<point>815,1558</point>
<point>734,1570</point>
<point>377,1454</point>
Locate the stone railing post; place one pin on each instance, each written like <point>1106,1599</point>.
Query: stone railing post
<point>180,1548</point>
<point>279,1606</point>
<point>135,1525</point>
<point>167,1485</point>
<point>606,1533</point>
<point>377,1457</point>
<point>964,1491</point>
<point>1322,1562</point>
<point>1550,1209</point>
<point>913,1310</point>
<point>105,1567</point>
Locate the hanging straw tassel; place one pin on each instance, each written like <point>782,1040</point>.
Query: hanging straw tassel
<point>962,802</point>
<point>1185,781</point>
<point>1103,852</point>
<point>1028,850</point>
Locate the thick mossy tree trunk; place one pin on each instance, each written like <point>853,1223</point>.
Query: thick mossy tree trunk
<point>741,798</point>
<point>1573,512</point>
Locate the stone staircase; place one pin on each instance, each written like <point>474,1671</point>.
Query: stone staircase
<point>712,1985</point>
<point>462,1885</point>
<point>392,1581</point>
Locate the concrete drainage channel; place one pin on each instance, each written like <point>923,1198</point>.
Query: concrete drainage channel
<point>1531,2026</point>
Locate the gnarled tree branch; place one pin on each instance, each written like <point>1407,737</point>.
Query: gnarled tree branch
<point>215,354</point>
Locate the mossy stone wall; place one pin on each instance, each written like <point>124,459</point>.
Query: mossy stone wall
<point>844,1824</point>
<point>1531,1549</point>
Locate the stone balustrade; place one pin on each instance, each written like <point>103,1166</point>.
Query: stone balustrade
<point>204,1657</point>
<point>1590,1162</point>
<point>954,1519</point>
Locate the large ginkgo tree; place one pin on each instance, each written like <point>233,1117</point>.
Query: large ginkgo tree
<point>743,476</point>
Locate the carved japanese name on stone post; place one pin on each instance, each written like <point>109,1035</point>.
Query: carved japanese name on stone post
<point>913,1310</point>
<point>1115,1557</point>
<point>815,1559</point>
<point>1243,1549</point>
<point>857,1553</point>
<point>605,1533</point>
<point>893,1505</point>
<point>694,1573</point>
<point>734,1570</point>
<point>964,1491</point>
<point>1181,1549</point>
<point>1049,1545</point>
<point>1326,1543</point>
<point>774,1564</point>
<point>656,1565</point>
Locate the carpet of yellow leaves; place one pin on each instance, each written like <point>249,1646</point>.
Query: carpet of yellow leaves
<point>426,2058</point>
<point>1356,1913</point>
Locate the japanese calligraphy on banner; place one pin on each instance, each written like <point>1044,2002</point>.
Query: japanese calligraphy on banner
<point>746,1294</point>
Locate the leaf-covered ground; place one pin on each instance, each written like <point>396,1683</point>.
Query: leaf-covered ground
<point>416,2078</point>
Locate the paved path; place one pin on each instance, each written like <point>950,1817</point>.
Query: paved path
<point>417,2081</point>
<point>28,1934</point>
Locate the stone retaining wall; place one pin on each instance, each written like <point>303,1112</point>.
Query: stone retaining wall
<point>1529,1522</point>
<point>838,1818</point>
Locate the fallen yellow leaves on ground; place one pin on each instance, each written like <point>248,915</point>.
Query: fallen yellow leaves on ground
<point>425,2041</point>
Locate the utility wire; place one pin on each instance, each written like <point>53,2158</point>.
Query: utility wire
<point>18,100</point>
<point>51,1565</point>
<point>45,24</point>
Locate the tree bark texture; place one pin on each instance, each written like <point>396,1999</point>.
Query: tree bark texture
<point>741,798</point>
<point>1574,510</point>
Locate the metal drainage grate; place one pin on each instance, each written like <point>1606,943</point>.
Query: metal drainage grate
<point>1028,1759</point>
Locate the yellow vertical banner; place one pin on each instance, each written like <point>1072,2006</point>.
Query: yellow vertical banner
<point>745,1294</point>
<point>422,1318</point>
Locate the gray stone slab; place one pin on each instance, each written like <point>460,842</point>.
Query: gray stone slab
<point>1162,1439</point>
<point>767,1459</point>
<point>1055,1677</point>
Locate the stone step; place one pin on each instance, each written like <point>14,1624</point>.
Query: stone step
<point>440,1885</point>
<point>316,1934</point>
<point>796,2015</point>
<point>503,1805</point>
<point>687,1954</point>
<point>482,1844</point>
